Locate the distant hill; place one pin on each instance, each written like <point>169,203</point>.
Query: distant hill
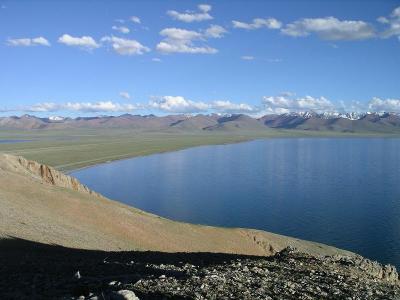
<point>23,122</point>
<point>369,122</point>
<point>237,122</point>
<point>350,122</point>
<point>197,122</point>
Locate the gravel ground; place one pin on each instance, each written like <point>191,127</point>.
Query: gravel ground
<point>37,271</point>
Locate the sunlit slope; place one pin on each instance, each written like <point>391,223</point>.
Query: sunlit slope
<point>41,204</point>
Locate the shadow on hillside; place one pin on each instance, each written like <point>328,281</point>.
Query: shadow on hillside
<point>15,248</point>
<point>34,270</point>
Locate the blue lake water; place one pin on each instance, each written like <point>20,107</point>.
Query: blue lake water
<point>342,192</point>
<point>13,141</point>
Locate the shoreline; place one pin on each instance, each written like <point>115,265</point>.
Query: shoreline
<point>250,139</point>
<point>68,172</point>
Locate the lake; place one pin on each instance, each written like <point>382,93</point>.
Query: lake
<point>13,141</point>
<point>342,192</point>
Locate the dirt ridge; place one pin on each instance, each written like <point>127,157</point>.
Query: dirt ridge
<point>48,174</point>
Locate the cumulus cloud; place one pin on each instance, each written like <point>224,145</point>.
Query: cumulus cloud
<point>353,106</point>
<point>284,104</point>
<point>125,95</point>
<point>178,104</point>
<point>93,107</point>
<point>384,105</point>
<point>188,16</point>
<point>247,57</point>
<point>135,19</point>
<point>270,23</point>
<point>180,34</point>
<point>215,31</point>
<point>178,40</point>
<point>230,107</point>
<point>330,28</point>
<point>28,42</point>
<point>122,29</point>
<point>393,22</point>
<point>83,42</point>
<point>125,46</point>
<point>181,41</point>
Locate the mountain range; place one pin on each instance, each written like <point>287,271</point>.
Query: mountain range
<point>349,122</point>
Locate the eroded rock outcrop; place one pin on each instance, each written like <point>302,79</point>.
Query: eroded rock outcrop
<point>48,174</point>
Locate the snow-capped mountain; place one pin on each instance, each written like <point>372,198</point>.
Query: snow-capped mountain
<point>307,120</point>
<point>56,118</point>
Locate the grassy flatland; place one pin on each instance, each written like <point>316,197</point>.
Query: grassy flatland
<point>72,149</point>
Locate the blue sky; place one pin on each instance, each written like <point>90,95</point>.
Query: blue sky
<point>162,57</point>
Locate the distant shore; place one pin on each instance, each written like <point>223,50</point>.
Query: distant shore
<point>70,151</point>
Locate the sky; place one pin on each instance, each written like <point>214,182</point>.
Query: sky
<point>75,58</point>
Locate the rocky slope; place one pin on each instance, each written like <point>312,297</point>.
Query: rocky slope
<point>35,271</point>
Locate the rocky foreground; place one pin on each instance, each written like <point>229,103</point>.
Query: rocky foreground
<point>37,271</point>
<point>41,207</point>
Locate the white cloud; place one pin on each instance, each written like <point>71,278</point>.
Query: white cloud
<point>284,104</point>
<point>393,21</point>
<point>247,57</point>
<point>125,95</point>
<point>229,107</point>
<point>204,7</point>
<point>102,106</point>
<point>177,40</point>
<point>121,29</point>
<point>270,23</point>
<point>384,105</point>
<point>330,28</point>
<point>178,104</point>
<point>215,31</point>
<point>43,107</point>
<point>156,59</point>
<point>83,42</point>
<point>27,42</point>
<point>181,41</point>
<point>125,46</point>
<point>188,16</point>
<point>383,20</point>
<point>135,19</point>
<point>353,106</point>
<point>180,34</point>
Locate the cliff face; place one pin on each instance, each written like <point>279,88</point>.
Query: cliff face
<point>44,173</point>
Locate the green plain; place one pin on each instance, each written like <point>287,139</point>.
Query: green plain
<point>68,150</point>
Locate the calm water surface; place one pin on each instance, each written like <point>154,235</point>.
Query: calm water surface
<point>13,141</point>
<point>342,192</point>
